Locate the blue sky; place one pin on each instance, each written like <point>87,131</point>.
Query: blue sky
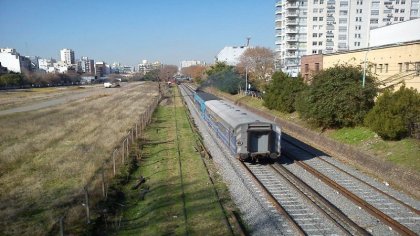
<point>130,31</point>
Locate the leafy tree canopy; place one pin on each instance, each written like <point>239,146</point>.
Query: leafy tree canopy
<point>336,97</point>
<point>394,113</point>
<point>282,92</point>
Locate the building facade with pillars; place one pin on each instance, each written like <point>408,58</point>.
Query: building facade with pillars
<point>309,27</point>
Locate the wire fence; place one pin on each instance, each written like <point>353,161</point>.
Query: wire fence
<point>83,206</point>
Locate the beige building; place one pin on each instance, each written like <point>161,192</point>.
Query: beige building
<point>392,64</point>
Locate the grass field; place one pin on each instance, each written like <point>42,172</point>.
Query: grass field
<point>178,202</point>
<point>46,156</point>
<point>19,97</point>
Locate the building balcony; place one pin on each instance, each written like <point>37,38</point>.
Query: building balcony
<point>292,22</point>
<point>292,14</point>
<point>291,31</point>
<point>291,56</point>
<point>292,5</point>
<point>292,39</point>
<point>291,47</point>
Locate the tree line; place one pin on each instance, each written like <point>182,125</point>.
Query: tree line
<point>335,98</point>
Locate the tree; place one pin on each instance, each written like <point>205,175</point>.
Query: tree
<point>196,72</point>
<point>11,79</point>
<point>218,67</point>
<point>167,72</point>
<point>282,92</point>
<point>259,62</point>
<point>336,97</point>
<point>394,113</point>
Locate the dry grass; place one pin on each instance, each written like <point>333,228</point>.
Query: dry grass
<point>12,98</point>
<point>46,156</point>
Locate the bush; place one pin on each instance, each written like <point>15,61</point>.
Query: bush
<point>336,97</point>
<point>282,92</point>
<point>394,113</point>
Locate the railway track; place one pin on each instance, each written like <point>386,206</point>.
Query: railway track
<point>308,212</point>
<point>393,212</point>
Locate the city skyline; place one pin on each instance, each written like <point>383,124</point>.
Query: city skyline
<point>167,31</point>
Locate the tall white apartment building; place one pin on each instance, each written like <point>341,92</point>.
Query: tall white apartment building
<point>305,27</point>
<point>67,56</point>
<point>191,63</point>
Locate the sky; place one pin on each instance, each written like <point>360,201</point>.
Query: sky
<point>129,31</point>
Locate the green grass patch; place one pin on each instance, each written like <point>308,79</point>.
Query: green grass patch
<point>353,136</point>
<point>162,211</point>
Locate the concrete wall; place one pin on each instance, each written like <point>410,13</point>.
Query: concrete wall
<point>391,65</point>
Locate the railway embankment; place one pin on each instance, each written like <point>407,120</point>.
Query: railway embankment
<point>400,177</point>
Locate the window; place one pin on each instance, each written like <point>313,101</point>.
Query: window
<point>400,67</point>
<point>314,43</point>
<point>315,1</point>
<point>386,68</point>
<point>402,1</point>
<point>315,18</point>
<point>397,2</point>
<point>402,10</point>
<point>320,52</point>
<point>321,10</point>
<point>321,18</point>
<point>374,21</point>
<point>314,27</point>
<point>374,12</point>
<point>320,43</point>
<point>314,35</point>
<point>401,18</point>
<point>313,51</point>
<point>343,13</point>
<point>315,10</point>
<point>320,35</point>
<point>407,66</point>
<point>395,18</point>
<point>342,21</point>
<point>321,1</point>
<point>342,37</point>
<point>380,68</point>
<point>307,67</point>
<point>396,10</point>
<point>316,67</point>
<point>344,3</point>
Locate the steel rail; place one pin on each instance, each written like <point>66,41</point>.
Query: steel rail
<point>328,209</point>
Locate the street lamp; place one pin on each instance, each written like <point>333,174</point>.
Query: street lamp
<point>246,80</point>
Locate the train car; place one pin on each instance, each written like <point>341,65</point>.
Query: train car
<point>246,135</point>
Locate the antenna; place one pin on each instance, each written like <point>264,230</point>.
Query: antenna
<point>247,40</point>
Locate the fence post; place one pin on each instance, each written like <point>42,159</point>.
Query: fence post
<point>132,135</point>
<point>127,145</point>
<point>87,205</point>
<point>62,226</point>
<point>103,182</point>
<point>113,161</point>
<point>123,151</point>
<point>137,131</point>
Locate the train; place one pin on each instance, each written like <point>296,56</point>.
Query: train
<point>246,135</point>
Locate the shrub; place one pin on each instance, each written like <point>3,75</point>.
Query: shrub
<point>227,80</point>
<point>393,113</point>
<point>282,92</point>
<point>336,97</point>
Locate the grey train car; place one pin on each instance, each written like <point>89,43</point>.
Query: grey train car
<point>247,135</point>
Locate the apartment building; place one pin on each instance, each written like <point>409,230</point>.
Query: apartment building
<point>67,56</point>
<point>13,61</point>
<point>309,27</point>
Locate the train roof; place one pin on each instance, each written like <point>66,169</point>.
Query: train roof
<point>233,114</point>
<point>206,96</point>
